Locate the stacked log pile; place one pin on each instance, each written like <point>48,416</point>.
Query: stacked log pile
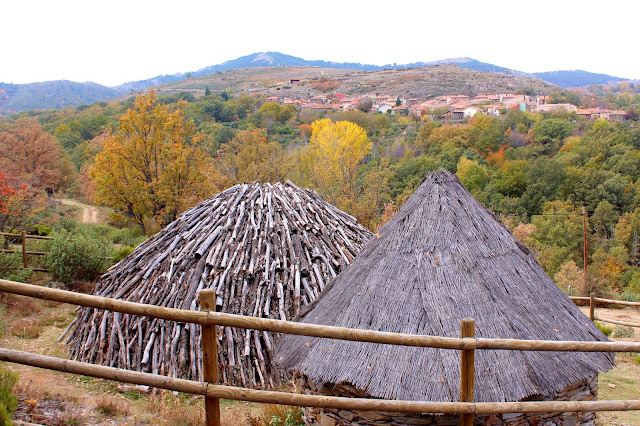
<point>266,249</point>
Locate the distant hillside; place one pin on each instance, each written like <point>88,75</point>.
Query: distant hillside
<point>305,82</point>
<point>468,63</point>
<point>51,94</point>
<point>58,94</point>
<point>276,59</point>
<point>577,78</point>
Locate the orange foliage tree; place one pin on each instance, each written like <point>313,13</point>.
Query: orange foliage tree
<point>34,157</point>
<point>18,201</point>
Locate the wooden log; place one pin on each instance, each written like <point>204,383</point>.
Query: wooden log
<point>616,302</point>
<point>24,250</point>
<point>33,237</point>
<point>614,321</point>
<point>592,306</point>
<point>314,330</point>
<point>361,404</point>
<point>467,370</point>
<point>210,358</point>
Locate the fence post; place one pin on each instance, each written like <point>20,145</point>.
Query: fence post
<point>210,358</point>
<point>24,250</point>
<point>467,370</point>
<point>592,306</point>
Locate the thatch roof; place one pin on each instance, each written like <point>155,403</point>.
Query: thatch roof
<point>266,249</point>
<point>442,258</point>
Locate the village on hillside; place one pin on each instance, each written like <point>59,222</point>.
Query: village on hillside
<point>449,107</point>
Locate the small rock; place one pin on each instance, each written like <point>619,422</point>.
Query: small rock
<point>57,284</point>
<point>611,385</point>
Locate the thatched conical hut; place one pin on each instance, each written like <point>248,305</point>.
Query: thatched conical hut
<point>266,249</point>
<point>442,258</point>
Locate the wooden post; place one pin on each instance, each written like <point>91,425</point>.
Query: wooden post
<point>584,238</point>
<point>24,250</point>
<point>467,371</point>
<point>592,306</point>
<point>210,358</point>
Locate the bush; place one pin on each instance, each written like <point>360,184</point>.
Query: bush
<point>128,236</point>
<point>122,253</point>
<point>606,330</point>
<point>8,402</point>
<point>80,256</point>
<point>11,267</point>
<point>622,331</point>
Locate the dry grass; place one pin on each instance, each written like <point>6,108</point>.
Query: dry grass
<point>19,306</point>
<point>276,415</point>
<point>26,329</point>
<point>620,383</point>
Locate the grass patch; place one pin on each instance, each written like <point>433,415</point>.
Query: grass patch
<point>111,407</point>
<point>606,330</point>
<point>26,329</point>
<point>620,383</point>
<point>19,306</point>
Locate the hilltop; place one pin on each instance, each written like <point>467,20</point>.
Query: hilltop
<point>305,82</point>
<point>61,93</point>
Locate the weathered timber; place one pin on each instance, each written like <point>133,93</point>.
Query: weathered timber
<point>256,246</point>
<point>230,392</point>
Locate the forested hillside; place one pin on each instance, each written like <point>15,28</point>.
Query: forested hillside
<point>164,153</point>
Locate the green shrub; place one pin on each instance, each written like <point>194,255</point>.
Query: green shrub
<point>606,330</point>
<point>630,296</point>
<point>44,230</point>
<point>8,402</point>
<point>128,236</point>
<point>121,253</point>
<point>622,331</point>
<point>11,267</point>
<point>76,256</point>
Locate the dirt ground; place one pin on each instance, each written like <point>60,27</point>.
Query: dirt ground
<point>52,398</point>
<point>86,213</point>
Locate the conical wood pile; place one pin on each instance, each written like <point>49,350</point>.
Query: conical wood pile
<point>267,250</point>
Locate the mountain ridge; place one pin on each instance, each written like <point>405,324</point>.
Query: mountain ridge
<point>62,93</point>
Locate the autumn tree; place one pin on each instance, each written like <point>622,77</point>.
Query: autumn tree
<point>249,156</point>
<point>18,200</point>
<point>148,169</point>
<point>331,160</point>
<point>34,157</point>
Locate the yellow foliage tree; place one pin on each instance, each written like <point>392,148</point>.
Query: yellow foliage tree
<point>147,169</point>
<point>330,161</point>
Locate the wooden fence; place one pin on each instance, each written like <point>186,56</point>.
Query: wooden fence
<point>592,307</point>
<point>23,238</point>
<point>209,320</point>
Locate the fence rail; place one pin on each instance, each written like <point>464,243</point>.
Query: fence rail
<point>23,238</point>
<point>212,392</point>
<point>592,307</point>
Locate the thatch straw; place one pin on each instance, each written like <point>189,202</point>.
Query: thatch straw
<point>442,258</point>
<point>266,249</point>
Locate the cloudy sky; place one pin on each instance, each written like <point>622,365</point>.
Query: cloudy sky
<point>116,41</point>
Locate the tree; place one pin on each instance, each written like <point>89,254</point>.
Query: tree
<point>33,156</point>
<point>249,156</point>
<point>473,176</point>
<point>331,160</point>
<point>18,201</point>
<point>148,170</point>
<point>365,104</point>
<point>551,130</point>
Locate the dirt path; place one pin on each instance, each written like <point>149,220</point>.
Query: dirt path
<point>89,213</point>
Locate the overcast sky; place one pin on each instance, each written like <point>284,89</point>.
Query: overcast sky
<point>115,41</point>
